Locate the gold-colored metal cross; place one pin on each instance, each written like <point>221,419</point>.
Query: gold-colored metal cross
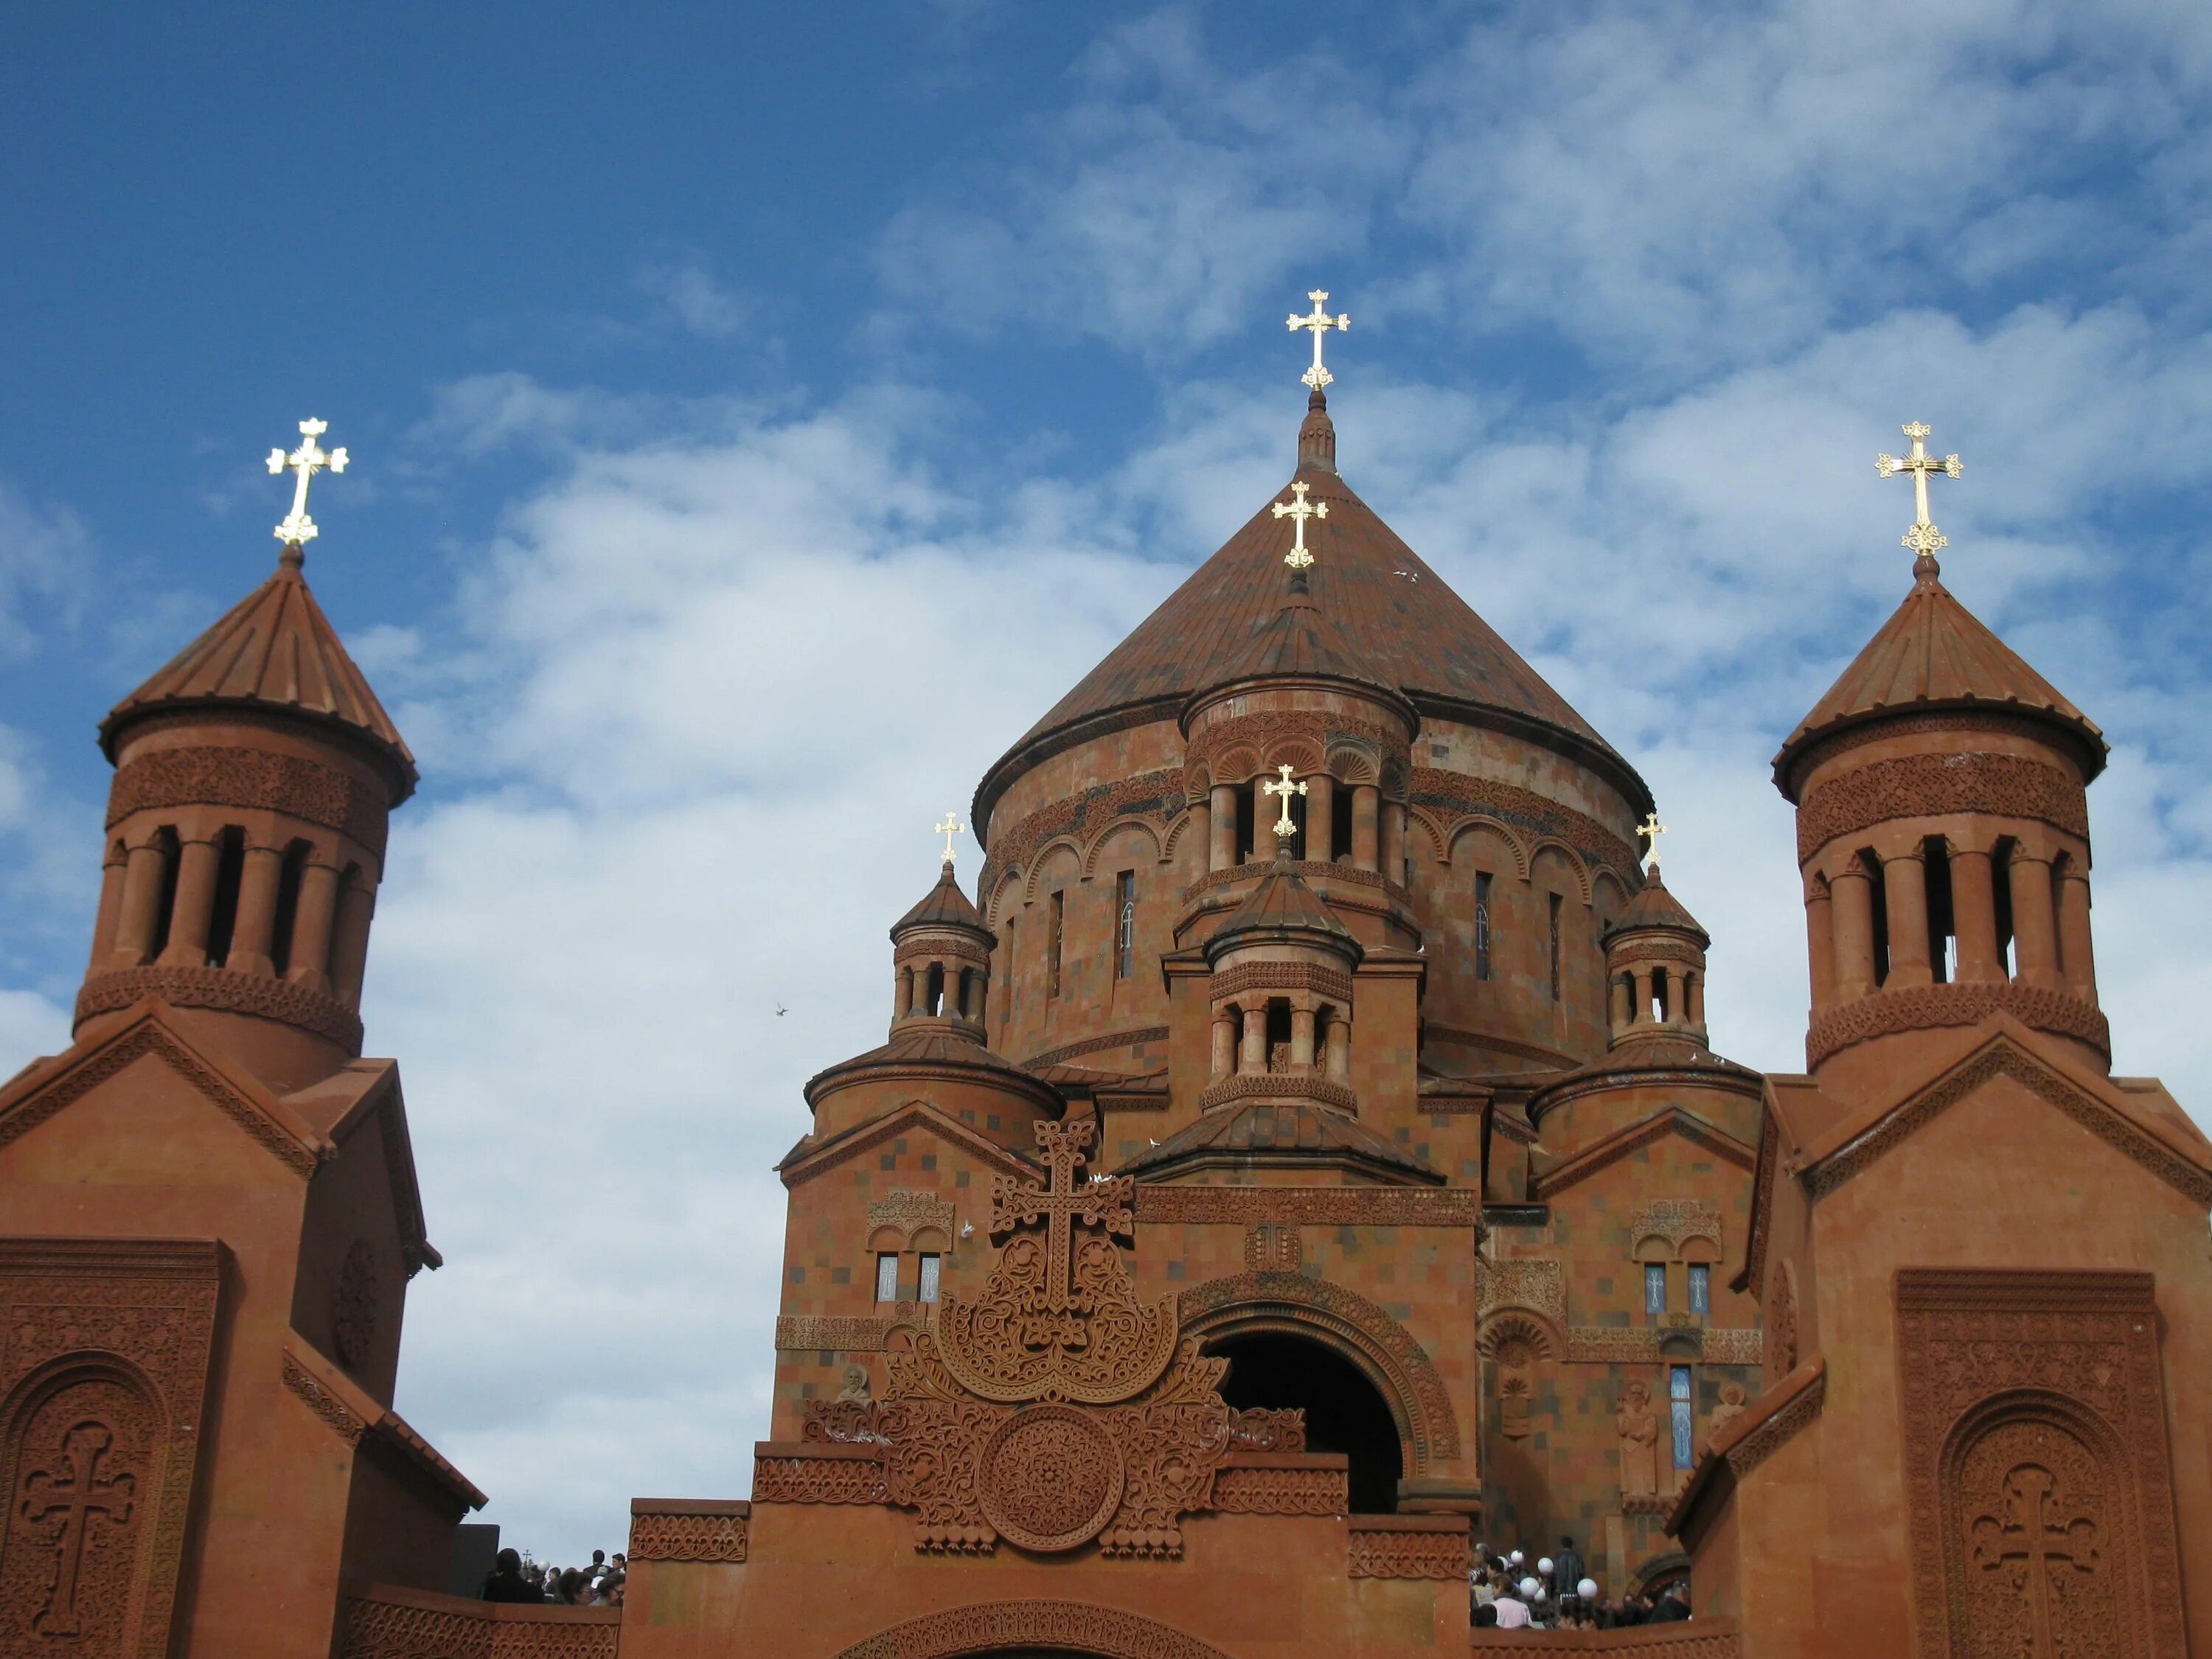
<point>306,460</point>
<point>1320,322</point>
<point>1284,827</point>
<point>949,827</point>
<point>1299,510</point>
<point>1923,537</point>
<point>1651,830</point>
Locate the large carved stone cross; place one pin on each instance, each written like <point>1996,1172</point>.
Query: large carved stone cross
<point>79,1495</point>
<point>2028,1536</point>
<point>1062,1202</point>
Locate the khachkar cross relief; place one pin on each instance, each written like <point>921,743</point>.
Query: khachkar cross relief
<point>1923,539</point>
<point>82,1505</point>
<point>1059,1319</point>
<point>2046,1551</point>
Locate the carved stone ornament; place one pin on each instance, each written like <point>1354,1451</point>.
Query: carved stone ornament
<point>1676,1220</point>
<point>104,1352</point>
<point>108,993</point>
<point>1931,1008</point>
<point>1938,786</point>
<point>910,1211</point>
<point>1054,1409</point>
<point>2039,1481</point>
<point>687,1532</point>
<point>1012,1627</point>
<point>383,1623</point>
<point>355,1305</point>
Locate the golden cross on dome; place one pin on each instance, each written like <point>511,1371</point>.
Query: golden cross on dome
<point>949,827</point>
<point>1320,322</point>
<point>1651,830</point>
<point>1299,510</point>
<point>1923,537</point>
<point>1283,826</point>
<point>306,460</point>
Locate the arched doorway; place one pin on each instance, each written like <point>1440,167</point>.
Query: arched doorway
<point>1344,1412</point>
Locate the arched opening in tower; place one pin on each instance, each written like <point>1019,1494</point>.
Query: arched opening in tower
<point>1343,1412</point>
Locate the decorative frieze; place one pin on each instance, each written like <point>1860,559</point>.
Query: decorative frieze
<point>1940,785</point>
<point>1314,1206</point>
<point>1408,1546</point>
<point>1925,1008</point>
<point>663,1529</point>
<point>251,779</point>
<point>260,995</point>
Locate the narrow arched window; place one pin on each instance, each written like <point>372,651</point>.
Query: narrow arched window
<point>293,870</point>
<point>1557,904</point>
<point>1125,924</point>
<point>165,839</point>
<point>934,998</point>
<point>229,876</point>
<point>1481,925</point>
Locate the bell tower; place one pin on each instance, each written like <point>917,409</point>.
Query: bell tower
<point>1942,830</point>
<point>254,776</point>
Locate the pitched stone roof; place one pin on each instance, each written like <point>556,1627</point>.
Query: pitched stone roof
<point>1934,653</point>
<point>1270,1131</point>
<point>273,650</point>
<point>932,1045</point>
<point>1282,904</point>
<point>943,906</point>
<point>1396,618</point>
<point>1299,642</point>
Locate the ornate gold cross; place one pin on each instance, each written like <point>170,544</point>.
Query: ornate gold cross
<point>1298,511</point>
<point>949,827</point>
<point>1320,322</point>
<point>306,460</point>
<point>1283,826</point>
<point>1923,537</point>
<point>1651,830</point>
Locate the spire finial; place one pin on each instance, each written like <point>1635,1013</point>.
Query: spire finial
<point>1651,830</point>
<point>1298,511</point>
<point>1320,322</point>
<point>1923,539</point>
<point>309,458</point>
<point>949,827</point>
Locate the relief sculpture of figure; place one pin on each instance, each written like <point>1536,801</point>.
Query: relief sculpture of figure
<point>1638,1427</point>
<point>1730,1408</point>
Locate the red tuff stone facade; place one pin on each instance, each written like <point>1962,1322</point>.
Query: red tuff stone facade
<point>1233,1228</point>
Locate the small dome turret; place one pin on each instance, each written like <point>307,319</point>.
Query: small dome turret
<point>941,960</point>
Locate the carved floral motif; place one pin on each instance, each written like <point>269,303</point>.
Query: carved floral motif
<point>219,988</point>
<point>1925,1008</point>
<point>685,1534</point>
<point>202,775</point>
<point>1676,1220</point>
<point>1374,1551</point>
<point>354,1302</point>
<point>375,1627</point>
<point>1936,785</point>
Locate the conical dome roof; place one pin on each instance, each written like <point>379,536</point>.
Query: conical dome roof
<point>1396,617</point>
<point>273,650</point>
<point>1934,653</point>
<point>1653,907</point>
<point>1282,904</point>
<point>1299,641</point>
<point>943,906</point>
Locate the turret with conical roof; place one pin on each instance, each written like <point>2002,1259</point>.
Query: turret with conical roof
<point>254,775</point>
<point>1943,832</point>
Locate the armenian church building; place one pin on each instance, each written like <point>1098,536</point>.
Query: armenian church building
<point>1298,1159</point>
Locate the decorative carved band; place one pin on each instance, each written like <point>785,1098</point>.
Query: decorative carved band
<point>1421,1551</point>
<point>846,1333</point>
<point>1282,977</point>
<point>1529,812</point>
<point>1677,1220</point>
<point>334,1411</point>
<point>1280,1085</point>
<point>1518,1282</point>
<point>1624,947</point>
<point>1935,786</point>
<point>1791,770</point>
<point>1068,1051</point>
<point>687,1532</point>
<point>380,1622</point>
<point>1316,1206</point>
<point>1921,1007</point>
<point>1009,1627</point>
<point>909,1210</point>
<point>231,993</point>
<point>817,1475</point>
<point>1288,1486</point>
<point>920,947</point>
<point>1779,1430</point>
<point>252,779</point>
<point>1156,795</point>
<point>1613,1345</point>
<point>1307,870</point>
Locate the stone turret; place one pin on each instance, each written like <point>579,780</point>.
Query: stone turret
<point>254,776</point>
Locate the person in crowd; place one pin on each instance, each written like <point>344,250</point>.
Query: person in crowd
<point>505,1583</point>
<point>1568,1564</point>
<point>572,1588</point>
<point>1485,1617</point>
<point>1512,1612</point>
<point>1672,1606</point>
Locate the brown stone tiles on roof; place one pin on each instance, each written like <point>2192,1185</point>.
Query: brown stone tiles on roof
<point>1276,1128</point>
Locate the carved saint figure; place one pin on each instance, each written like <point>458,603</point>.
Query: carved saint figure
<point>856,1384</point>
<point>1637,1426</point>
<point>1727,1412</point>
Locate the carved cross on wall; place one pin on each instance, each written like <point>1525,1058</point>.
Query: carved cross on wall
<point>2027,1540</point>
<point>80,1494</point>
<point>1062,1203</point>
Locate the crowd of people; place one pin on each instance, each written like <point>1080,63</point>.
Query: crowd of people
<point>515,1578</point>
<point>1555,1592</point>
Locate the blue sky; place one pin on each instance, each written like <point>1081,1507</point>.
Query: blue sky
<point>759,414</point>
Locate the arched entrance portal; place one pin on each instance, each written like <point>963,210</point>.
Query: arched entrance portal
<point>1032,1629</point>
<point>1343,1412</point>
